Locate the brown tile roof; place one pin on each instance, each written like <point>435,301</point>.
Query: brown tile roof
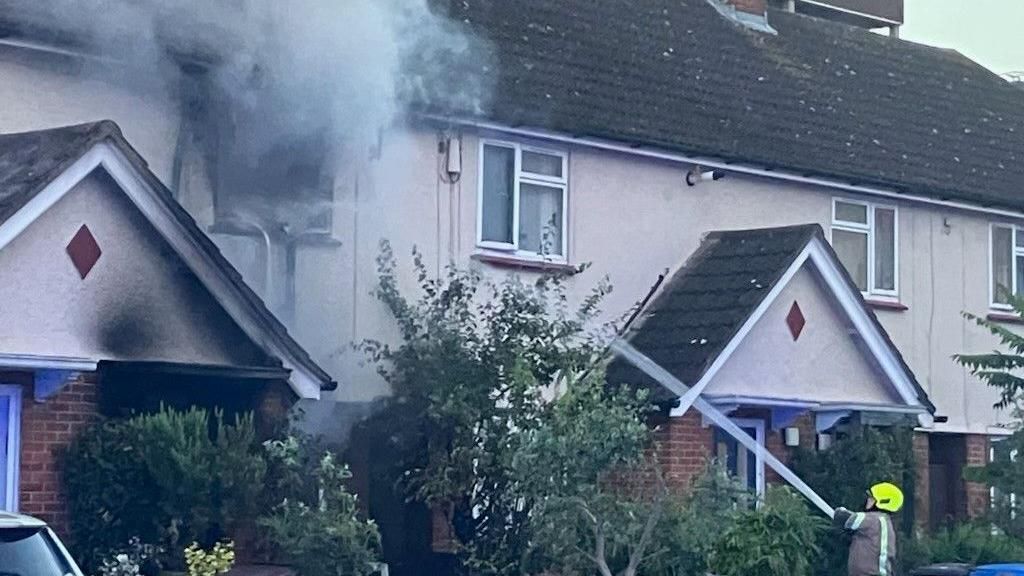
<point>698,311</point>
<point>819,98</point>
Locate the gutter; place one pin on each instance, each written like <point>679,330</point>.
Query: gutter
<point>714,163</point>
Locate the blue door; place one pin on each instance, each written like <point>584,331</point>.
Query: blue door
<point>5,442</point>
<point>742,464</point>
<point>10,443</point>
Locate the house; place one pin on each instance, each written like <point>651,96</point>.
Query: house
<point>639,139</point>
<point>746,320</point>
<point>115,302</point>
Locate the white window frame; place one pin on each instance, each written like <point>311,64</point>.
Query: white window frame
<point>518,178</point>
<point>868,229</point>
<point>12,474</point>
<point>1014,252</point>
<point>759,436</point>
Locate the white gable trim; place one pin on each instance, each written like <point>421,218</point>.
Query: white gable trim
<point>110,158</point>
<point>698,388</point>
<point>852,305</point>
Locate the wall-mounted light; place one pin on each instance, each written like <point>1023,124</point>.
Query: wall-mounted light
<point>792,437</point>
<point>824,441</point>
<point>696,175</point>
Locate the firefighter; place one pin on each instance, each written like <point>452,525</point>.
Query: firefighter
<point>873,548</point>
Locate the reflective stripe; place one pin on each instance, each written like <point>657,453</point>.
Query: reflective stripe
<point>883,550</point>
<point>855,521</point>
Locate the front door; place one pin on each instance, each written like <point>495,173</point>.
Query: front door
<point>744,465</point>
<point>10,429</point>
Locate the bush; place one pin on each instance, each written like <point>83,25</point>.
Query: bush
<point>778,539</point>
<point>218,560</point>
<point>111,494</point>
<point>134,560</point>
<point>317,530</point>
<point>967,543</point>
<point>170,477</point>
<point>693,528</point>
<point>861,457</point>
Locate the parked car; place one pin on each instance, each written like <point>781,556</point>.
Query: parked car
<point>29,548</point>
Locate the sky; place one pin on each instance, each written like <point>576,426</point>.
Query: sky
<point>988,31</point>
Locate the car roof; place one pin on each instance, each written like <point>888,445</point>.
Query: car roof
<point>11,520</point>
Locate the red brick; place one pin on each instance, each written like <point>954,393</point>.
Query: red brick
<point>47,430</point>
<point>978,499</point>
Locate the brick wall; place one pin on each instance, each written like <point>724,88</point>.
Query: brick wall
<point>775,442</point>
<point>684,446</point>
<point>977,494</point>
<point>47,428</point>
<point>922,485</point>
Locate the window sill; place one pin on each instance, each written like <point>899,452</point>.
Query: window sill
<point>880,304</point>
<point>522,262</point>
<point>1004,318</point>
<point>305,239</point>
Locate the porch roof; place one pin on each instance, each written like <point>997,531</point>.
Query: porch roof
<point>695,321</point>
<point>39,168</point>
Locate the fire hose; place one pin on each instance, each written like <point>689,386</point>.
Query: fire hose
<point>666,379</point>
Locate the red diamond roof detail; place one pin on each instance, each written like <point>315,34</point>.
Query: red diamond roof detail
<point>796,321</point>
<point>84,251</point>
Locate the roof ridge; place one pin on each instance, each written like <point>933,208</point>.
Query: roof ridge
<point>809,227</point>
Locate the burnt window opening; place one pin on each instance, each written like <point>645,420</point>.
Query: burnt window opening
<point>287,188</point>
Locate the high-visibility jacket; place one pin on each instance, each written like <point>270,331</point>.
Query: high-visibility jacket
<point>873,549</point>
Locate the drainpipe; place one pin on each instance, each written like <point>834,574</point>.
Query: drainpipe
<point>177,164</point>
<point>267,246</point>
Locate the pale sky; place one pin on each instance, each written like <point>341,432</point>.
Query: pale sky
<point>988,31</point>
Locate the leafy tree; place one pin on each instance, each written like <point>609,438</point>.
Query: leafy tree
<point>598,498</point>
<point>998,369</point>
<point>1001,370</point>
<point>470,374</point>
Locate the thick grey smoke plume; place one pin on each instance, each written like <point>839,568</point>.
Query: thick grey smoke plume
<point>314,79</point>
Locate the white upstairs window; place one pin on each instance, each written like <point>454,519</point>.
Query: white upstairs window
<point>864,236</point>
<point>522,203</point>
<point>1007,264</point>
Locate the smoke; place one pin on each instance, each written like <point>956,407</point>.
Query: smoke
<point>281,89</point>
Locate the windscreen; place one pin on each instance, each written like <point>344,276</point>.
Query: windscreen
<point>30,552</point>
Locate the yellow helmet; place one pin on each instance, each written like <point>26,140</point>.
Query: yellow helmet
<point>887,497</point>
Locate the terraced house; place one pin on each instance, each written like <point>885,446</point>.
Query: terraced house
<point>804,206</point>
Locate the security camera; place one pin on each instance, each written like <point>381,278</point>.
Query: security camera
<point>696,176</point>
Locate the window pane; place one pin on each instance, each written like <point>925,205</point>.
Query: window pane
<point>1002,256</point>
<point>885,249</point>
<point>546,164</point>
<point>498,185</point>
<point>847,212</point>
<point>540,219</point>
<point>852,248</point>
<point>1020,274</point>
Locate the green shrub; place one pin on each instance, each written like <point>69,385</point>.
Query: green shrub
<point>861,457</point>
<point>694,528</point>
<point>112,497</point>
<point>318,530</point>
<point>965,543</point>
<point>169,477</point>
<point>778,539</point>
